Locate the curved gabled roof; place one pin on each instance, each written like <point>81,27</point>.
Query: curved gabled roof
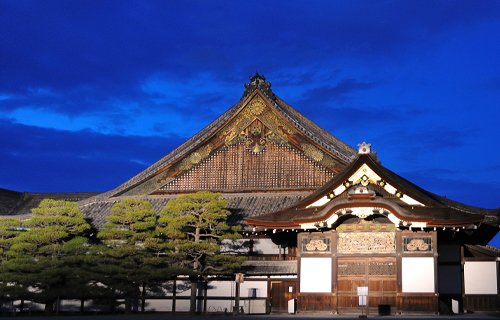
<point>391,192</point>
<point>257,86</point>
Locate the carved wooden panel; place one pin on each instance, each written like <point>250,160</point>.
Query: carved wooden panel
<point>253,166</point>
<point>386,268</point>
<point>352,268</point>
<point>316,244</point>
<point>366,242</point>
<point>417,244</point>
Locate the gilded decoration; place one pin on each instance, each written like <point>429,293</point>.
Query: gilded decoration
<point>195,158</point>
<point>256,109</point>
<point>257,105</point>
<point>316,244</point>
<point>366,242</point>
<point>367,227</point>
<point>415,244</point>
<point>254,140</point>
<point>312,152</point>
<point>150,186</point>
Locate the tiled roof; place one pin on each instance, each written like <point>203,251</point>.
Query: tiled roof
<point>439,210</point>
<point>9,200</point>
<point>307,127</point>
<point>266,267</point>
<point>19,204</point>
<point>241,205</point>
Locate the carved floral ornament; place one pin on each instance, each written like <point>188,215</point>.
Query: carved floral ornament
<point>256,109</point>
<point>362,213</point>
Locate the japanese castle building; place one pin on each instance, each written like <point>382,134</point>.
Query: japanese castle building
<point>321,219</point>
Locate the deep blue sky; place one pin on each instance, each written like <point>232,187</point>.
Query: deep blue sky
<point>92,92</point>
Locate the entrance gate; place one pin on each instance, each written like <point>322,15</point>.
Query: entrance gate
<point>280,294</point>
<point>378,274</point>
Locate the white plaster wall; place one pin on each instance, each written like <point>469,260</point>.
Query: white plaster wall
<point>316,275</point>
<point>220,289</point>
<point>418,274</point>
<point>266,246</point>
<point>158,305</point>
<point>260,286</point>
<point>182,305</point>
<point>480,277</point>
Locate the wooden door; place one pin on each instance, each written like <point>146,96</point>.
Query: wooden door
<point>280,294</point>
<point>378,274</point>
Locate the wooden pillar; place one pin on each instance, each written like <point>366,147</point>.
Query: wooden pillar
<point>174,294</point>
<point>205,295</point>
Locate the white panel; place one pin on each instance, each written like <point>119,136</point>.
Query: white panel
<point>247,289</point>
<point>255,306</point>
<point>221,289</point>
<point>480,277</point>
<point>418,275</point>
<point>316,275</point>
<point>182,305</point>
<point>158,305</point>
<point>266,246</point>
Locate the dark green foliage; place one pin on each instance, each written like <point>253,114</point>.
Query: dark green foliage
<point>47,254</point>
<point>132,256</point>
<point>195,225</point>
<point>54,254</point>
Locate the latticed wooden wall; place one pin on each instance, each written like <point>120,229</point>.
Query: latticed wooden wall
<point>234,168</point>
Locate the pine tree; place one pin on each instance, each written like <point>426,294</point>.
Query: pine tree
<point>9,229</point>
<point>195,225</point>
<point>45,257</point>
<point>132,256</point>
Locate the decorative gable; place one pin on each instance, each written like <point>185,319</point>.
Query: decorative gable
<point>255,149</point>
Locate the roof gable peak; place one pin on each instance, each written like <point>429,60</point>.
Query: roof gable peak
<point>258,82</point>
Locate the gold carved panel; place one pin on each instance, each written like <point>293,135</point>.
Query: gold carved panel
<point>366,242</point>
<point>417,244</point>
<point>316,244</point>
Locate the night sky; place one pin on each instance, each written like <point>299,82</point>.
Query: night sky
<point>93,92</point>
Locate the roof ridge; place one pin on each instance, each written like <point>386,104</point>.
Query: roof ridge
<point>307,127</point>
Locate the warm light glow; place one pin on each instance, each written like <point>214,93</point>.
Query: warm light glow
<point>390,188</point>
<point>364,170</point>
<point>393,219</point>
<point>411,201</point>
<point>339,190</point>
<point>418,224</point>
<point>319,202</point>
<point>331,220</point>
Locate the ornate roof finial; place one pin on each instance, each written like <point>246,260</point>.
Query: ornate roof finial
<point>365,148</point>
<point>258,81</point>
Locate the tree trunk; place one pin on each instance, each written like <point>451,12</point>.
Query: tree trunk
<point>128,305</point>
<point>143,297</point>
<point>49,307</point>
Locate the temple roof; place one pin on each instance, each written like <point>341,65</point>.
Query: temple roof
<point>259,114</point>
<point>365,183</point>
